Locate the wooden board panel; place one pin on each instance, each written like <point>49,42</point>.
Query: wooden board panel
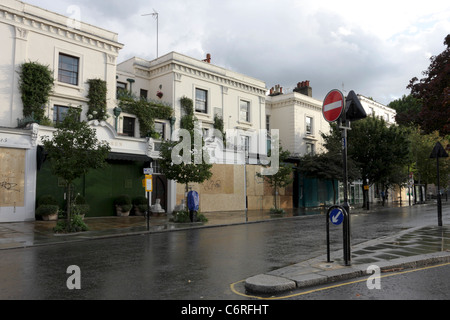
<point>12,177</point>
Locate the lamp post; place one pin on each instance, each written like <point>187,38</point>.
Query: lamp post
<point>117,112</point>
<point>438,152</point>
<point>156,16</point>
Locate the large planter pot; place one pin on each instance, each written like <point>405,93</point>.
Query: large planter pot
<point>48,212</point>
<point>50,217</point>
<point>138,211</point>
<point>121,213</point>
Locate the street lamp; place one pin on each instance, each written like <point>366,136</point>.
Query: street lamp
<point>156,16</point>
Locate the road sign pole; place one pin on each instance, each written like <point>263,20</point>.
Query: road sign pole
<point>439,201</point>
<point>438,152</point>
<point>339,215</point>
<point>345,126</point>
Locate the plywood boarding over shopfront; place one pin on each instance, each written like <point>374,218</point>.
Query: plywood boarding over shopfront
<point>12,177</point>
<point>225,190</point>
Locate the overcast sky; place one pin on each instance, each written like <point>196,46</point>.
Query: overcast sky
<point>371,47</point>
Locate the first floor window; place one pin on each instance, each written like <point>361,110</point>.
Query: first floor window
<point>128,126</point>
<point>245,111</point>
<point>309,125</point>
<point>160,128</point>
<point>201,101</point>
<point>68,69</point>
<point>144,94</point>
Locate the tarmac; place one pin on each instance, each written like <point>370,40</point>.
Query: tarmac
<point>412,248</point>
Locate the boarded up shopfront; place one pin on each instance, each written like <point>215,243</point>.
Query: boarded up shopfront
<point>225,190</point>
<point>12,177</point>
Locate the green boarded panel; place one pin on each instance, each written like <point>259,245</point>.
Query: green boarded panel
<point>99,187</point>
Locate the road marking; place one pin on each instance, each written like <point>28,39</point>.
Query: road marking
<point>234,290</point>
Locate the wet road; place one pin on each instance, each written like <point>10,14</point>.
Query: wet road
<point>187,265</point>
<point>427,283</point>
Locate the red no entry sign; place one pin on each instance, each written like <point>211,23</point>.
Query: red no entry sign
<point>333,105</point>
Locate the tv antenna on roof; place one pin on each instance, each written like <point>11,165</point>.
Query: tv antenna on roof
<point>156,16</point>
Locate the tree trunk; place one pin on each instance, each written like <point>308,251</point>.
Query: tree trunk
<point>69,204</point>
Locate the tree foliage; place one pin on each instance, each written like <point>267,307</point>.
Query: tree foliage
<point>408,111</point>
<point>145,110</point>
<point>434,92</point>
<point>423,167</point>
<point>185,172</point>
<point>376,153</point>
<point>378,149</point>
<point>282,178</point>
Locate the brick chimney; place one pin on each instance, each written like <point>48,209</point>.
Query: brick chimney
<point>276,91</point>
<point>208,58</point>
<point>304,88</point>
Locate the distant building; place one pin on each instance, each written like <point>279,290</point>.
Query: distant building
<point>377,109</point>
<point>299,118</point>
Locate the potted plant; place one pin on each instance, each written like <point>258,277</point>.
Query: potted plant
<point>123,205</point>
<point>47,208</point>
<point>140,205</point>
<point>80,207</point>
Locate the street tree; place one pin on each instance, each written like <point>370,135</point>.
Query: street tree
<point>434,92</point>
<point>329,165</point>
<point>376,151</point>
<point>193,170</point>
<point>73,151</point>
<point>282,178</point>
<point>423,167</point>
<point>379,149</point>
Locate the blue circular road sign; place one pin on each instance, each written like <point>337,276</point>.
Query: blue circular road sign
<point>336,216</point>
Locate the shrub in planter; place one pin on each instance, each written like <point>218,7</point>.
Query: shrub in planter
<point>80,207</point>
<point>123,205</point>
<point>76,225</point>
<point>277,211</point>
<point>140,205</point>
<point>47,208</point>
<point>48,212</point>
<point>47,199</point>
<point>183,217</point>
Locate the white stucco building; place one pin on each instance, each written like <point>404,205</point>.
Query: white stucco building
<point>236,98</point>
<point>378,109</point>
<point>299,118</point>
<point>75,52</point>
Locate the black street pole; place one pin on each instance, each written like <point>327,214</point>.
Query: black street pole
<point>347,253</point>
<point>439,201</point>
<point>438,152</point>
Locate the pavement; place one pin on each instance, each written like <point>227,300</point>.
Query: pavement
<point>411,248</point>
